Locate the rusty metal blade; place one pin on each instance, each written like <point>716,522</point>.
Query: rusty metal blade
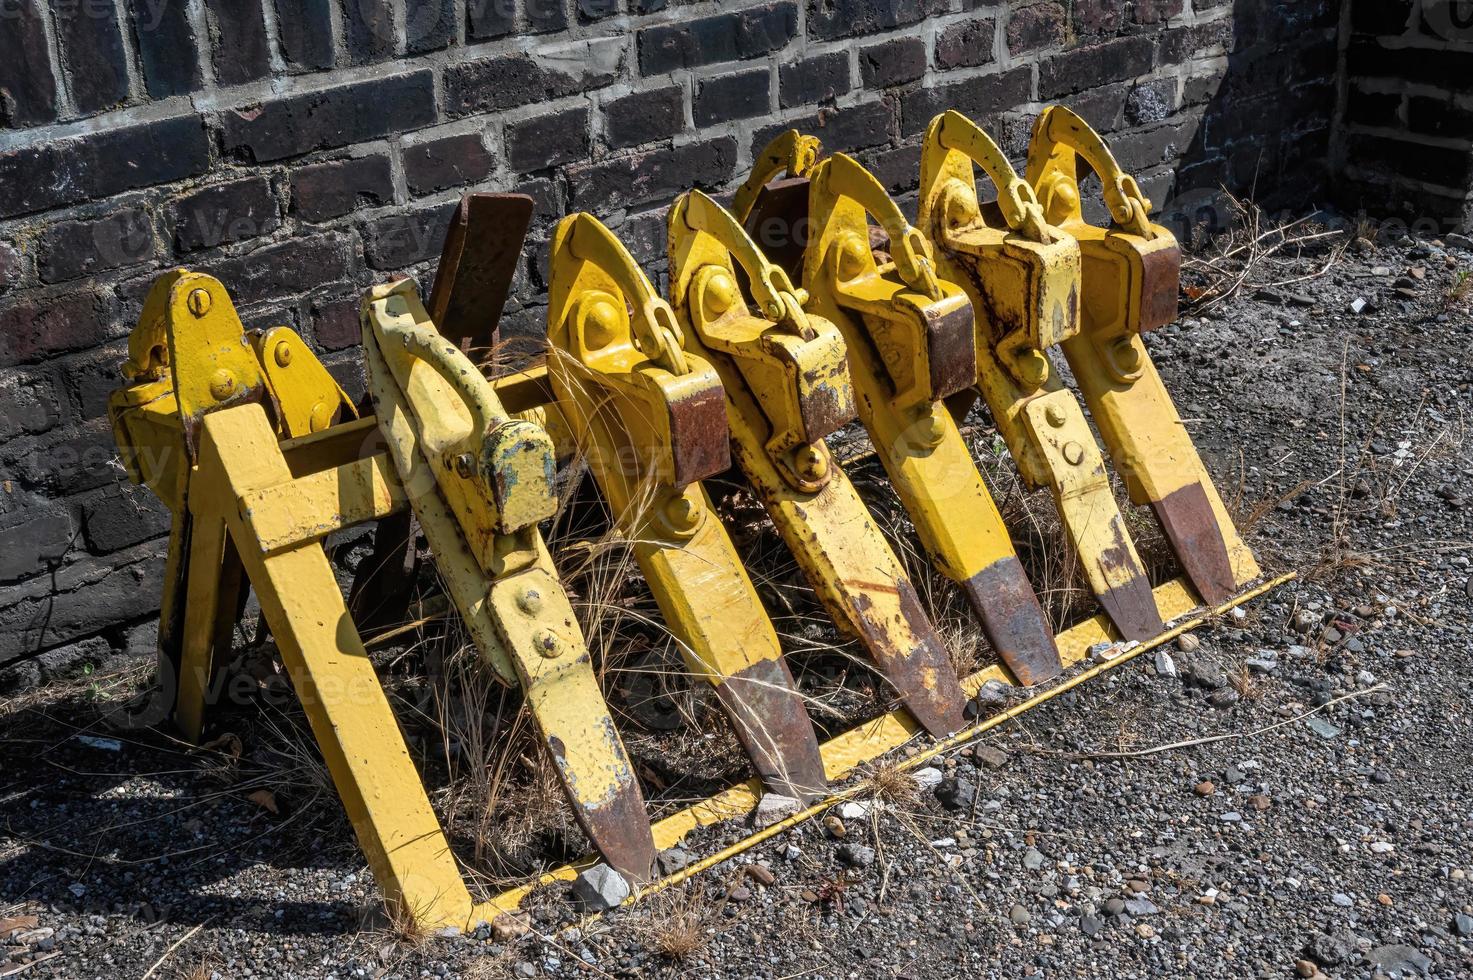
<point>1189,523</point>
<point>767,714</point>
<point>922,676</point>
<point>618,827</point>
<point>779,224</point>
<point>1129,603</point>
<point>1004,601</point>
<point>477,266</point>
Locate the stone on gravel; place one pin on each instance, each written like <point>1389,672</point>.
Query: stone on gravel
<point>927,779</point>
<point>1188,643</point>
<point>774,807</point>
<point>1115,906</point>
<point>1463,924</point>
<point>994,694</point>
<point>601,888</point>
<point>669,861</point>
<point>1091,925</point>
<point>990,756</point>
<point>857,809</point>
<point>1322,728</point>
<point>1018,915</point>
<point>1140,905</point>
<point>1205,675</point>
<point>1165,666</point>
<point>1033,859</point>
<point>1400,961</point>
<point>1305,968</point>
<point>957,792</point>
<point>856,855</point>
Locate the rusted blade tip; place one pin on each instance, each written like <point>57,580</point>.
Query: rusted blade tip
<point>1132,608</point>
<point>768,717</point>
<point>924,676</point>
<point>620,830</point>
<point>1004,602</point>
<point>1190,524</point>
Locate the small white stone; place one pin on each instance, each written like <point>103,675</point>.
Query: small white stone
<point>774,807</point>
<point>927,779</point>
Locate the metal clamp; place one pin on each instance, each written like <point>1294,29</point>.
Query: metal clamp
<point>1058,136</point>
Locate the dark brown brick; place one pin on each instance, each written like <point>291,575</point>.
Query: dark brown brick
<point>978,98</point>
<point>892,62</point>
<point>30,402</point>
<point>34,540</point>
<point>295,266</point>
<point>453,161</point>
<point>225,213</point>
<point>507,81</point>
<point>368,26</point>
<point>10,267</point>
<point>121,516</point>
<point>1152,12</point>
<point>90,378</point>
<point>547,141</point>
<point>27,89</point>
<point>333,117</point>
<point>850,128</point>
<point>323,191</point>
<point>966,45</point>
<point>734,36</point>
<point>401,240</point>
<point>817,79</point>
<point>83,598</point>
<point>304,28</point>
<point>652,175</point>
<point>1035,27</point>
<point>335,323</point>
<point>727,97</point>
<point>429,25</point>
<point>643,117</point>
<point>71,249</point>
<point>829,19</point>
<point>238,40</point>
<point>35,327</point>
<point>1098,17</point>
<point>1109,61</point>
<point>91,42</point>
<point>486,19</point>
<point>168,50</point>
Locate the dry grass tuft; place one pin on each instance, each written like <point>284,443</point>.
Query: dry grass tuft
<point>1460,290</point>
<point>679,925</point>
<point>1241,679</point>
<point>888,782</point>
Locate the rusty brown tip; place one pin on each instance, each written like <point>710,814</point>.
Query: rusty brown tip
<point>1189,523</point>
<point>1005,604</point>
<point>1132,607</point>
<point>768,715</point>
<point>619,827</point>
<point>923,675</point>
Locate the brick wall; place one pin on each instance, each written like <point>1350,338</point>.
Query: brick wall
<point>300,149</point>
<point>1406,137</point>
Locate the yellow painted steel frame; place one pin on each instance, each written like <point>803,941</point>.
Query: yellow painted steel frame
<point>912,344</point>
<point>1023,279</point>
<point>1130,275</point>
<point>789,153</point>
<point>844,754</point>
<point>653,425</point>
<point>787,387</point>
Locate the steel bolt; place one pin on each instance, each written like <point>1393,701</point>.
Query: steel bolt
<point>1055,416</point>
<point>200,302</point>
<point>321,416</point>
<point>546,644</point>
<point>283,354</point>
<point>530,601</point>
<point>810,463</point>
<point>1126,355</point>
<point>720,295</point>
<point>681,512</point>
<point>464,465</point>
<point>1073,453</point>
<point>222,382</point>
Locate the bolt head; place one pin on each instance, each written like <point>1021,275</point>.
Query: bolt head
<point>222,384</point>
<point>465,466</point>
<point>1055,416</point>
<point>546,644</point>
<point>321,416</point>
<point>283,354</point>
<point>529,601</point>
<point>1073,453</point>
<point>1033,367</point>
<point>682,513</point>
<point>1127,355</point>
<point>810,463</point>
<point>719,295</point>
<point>200,301</point>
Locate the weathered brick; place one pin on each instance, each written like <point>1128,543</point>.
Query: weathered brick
<point>1372,108</point>
<point>90,378</point>
<point>1151,102</point>
<point>898,169</point>
<point>449,162</point>
<point>1440,165</point>
<point>978,98</point>
<point>652,175</point>
<point>70,249</point>
<point>122,516</point>
<point>1081,68</point>
<point>592,10</point>
<point>27,89</point>
<point>1151,12</point>
<point>297,265</point>
<point>1176,46</point>
<point>828,19</point>
<point>225,213</point>
<point>53,173</point>
<point>966,45</point>
<point>333,117</point>
<point>737,96</point>
<point>29,403</point>
<point>506,81</point>
<point>849,128</point>
<point>643,117</point>
<point>81,599</point>
<point>1103,107</point>
<point>238,40</point>
<point>734,36</point>
<point>892,62</point>
<point>400,240</point>
<point>70,460</point>
<point>429,25</point>
<point>486,19</point>
<point>168,50</point>
<point>335,323</point>
<point>33,327</point>
<point>91,41</point>
<point>1038,26</point>
<point>1098,17</point>
<point>323,191</point>
<point>32,541</point>
<point>547,141</point>
<point>1439,117</point>
<point>368,27</point>
<point>10,267</point>
<point>545,16</point>
<point>816,79</point>
<point>304,28</point>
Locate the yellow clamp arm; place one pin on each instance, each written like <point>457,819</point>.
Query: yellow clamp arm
<point>656,333</point>
<point>790,153</point>
<point>1059,127</point>
<point>844,177</point>
<point>780,301</point>
<point>1020,207</point>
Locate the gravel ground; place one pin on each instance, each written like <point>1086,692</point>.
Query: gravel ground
<point>1081,840</point>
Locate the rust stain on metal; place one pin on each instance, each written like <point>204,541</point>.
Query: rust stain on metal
<point>699,439</point>
<point>922,675</point>
<point>951,338</point>
<point>1004,601</point>
<point>1187,519</point>
<point>619,826</point>
<point>769,719</point>
<point>1160,287</point>
<point>1130,605</point>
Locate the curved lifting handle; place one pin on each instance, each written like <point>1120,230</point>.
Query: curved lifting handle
<point>1020,207</point>
<point>844,177</point>
<point>771,287</point>
<point>449,362</point>
<point>789,153</point>
<point>656,333</point>
<point>1129,208</point>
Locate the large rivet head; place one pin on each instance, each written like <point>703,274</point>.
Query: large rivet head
<point>222,384</point>
<point>283,354</point>
<point>1073,453</point>
<point>719,295</point>
<point>602,325</point>
<point>1054,416</point>
<point>321,416</point>
<point>529,601</point>
<point>810,463</point>
<point>682,513</point>
<point>1033,367</point>
<point>851,261</point>
<point>1127,356</point>
<point>200,301</point>
<point>547,644</point>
